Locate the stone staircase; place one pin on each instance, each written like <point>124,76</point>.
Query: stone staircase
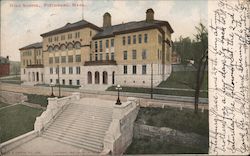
<point>81,125</point>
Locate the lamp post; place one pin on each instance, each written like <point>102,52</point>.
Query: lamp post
<point>118,88</point>
<point>52,85</point>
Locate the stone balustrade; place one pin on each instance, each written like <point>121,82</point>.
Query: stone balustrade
<point>54,108</point>
<point>120,133</point>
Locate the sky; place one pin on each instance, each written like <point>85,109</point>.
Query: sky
<point>23,22</point>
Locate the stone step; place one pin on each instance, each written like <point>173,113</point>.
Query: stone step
<point>91,107</point>
<point>99,130</point>
<point>77,136</point>
<point>98,121</point>
<point>77,132</point>
<point>72,114</point>
<point>83,145</point>
<point>81,110</point>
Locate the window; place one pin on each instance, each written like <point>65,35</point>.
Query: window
<point>123,40</point>
<point>133,54</point>
<point>70,82</point>
<point>70,58</point>
<point>134,69</point>
<point>125,69</point>
<point>77,45</point>
<point>56,48</point>
<point>77,34</point>
<point>51,80</point>
<point>23,71</point>
<point>100,45</point>
<point>78,82</point>
<point>90,57</point>
<point>144,69</point>
<point>62,37</point>
<point>50,60</point>
<point>56,38</point>
<point>129,40</point>
<point>125,55</point>
<point>69,36</point>
<point>159,39</point>
<point>63,70</point>
<point>144,54</point>
<point>70,46</point>
<point>134,39</point>
<point>112,56</point>
<point>112,42</point>
<point>63,59</point>
<point>107,56</point>
<point>78,58</point>
<point>56,59</point>
<point>78,70</point>
<point>96,46</point>
<point>70,70</point>
<point>57,81</point>
<point>51,70</point>
<point>63,47</point>
<point>50,49</point>
<point>90,33</point>
<point>145,38</point>
<point>139,38</point>
<point>50,39</point>
<point>63,81</point>
<point>107,43</point>
<point>96,57</point>
<point>100,57</point>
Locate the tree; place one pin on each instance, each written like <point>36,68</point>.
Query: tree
<point>200,60</point>
<point>197,51</point>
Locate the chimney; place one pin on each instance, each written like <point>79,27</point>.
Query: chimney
<point>150,15</point>
<point>106,20</point>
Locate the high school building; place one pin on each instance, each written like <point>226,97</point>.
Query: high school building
<point>129,54</point>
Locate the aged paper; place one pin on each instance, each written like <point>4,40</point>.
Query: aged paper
<point>229,40</point>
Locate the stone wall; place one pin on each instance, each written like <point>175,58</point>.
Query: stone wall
<point>169,135</point>
<point>12,97</point>
<point>120,133</point>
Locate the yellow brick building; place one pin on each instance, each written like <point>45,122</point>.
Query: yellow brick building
<point>130,54</point>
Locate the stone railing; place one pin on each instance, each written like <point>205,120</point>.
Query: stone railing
<point>54,108</point>
<point>15,142</point>
<point>120,133</point>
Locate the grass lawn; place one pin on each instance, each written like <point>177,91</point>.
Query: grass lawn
<point>17,120</point>
<point>185,120</point>
<point>180,78</point>
<point>12,81</point>
<point>159,91</point>
<point>149,146</point>
<point>2,104</point>
<point>38,99</point>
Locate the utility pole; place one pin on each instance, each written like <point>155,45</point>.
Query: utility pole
<point>151,93</point>
<point>59,86</point>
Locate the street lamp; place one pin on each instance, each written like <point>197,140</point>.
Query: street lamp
<point>118,88</point>
<point>52,85</point>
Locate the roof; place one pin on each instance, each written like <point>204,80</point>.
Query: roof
<point>32,46</point>
<point>131,27</point>
<point>72,26</point>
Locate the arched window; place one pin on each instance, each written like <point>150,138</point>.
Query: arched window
<point>77,45</point>
<point>50,49</point>
<point>70,46</point>
<point>62,47</point>
<point>56,48</point>
<point>97,77</point>
<point>89,77</point>
<point>105,77</point>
